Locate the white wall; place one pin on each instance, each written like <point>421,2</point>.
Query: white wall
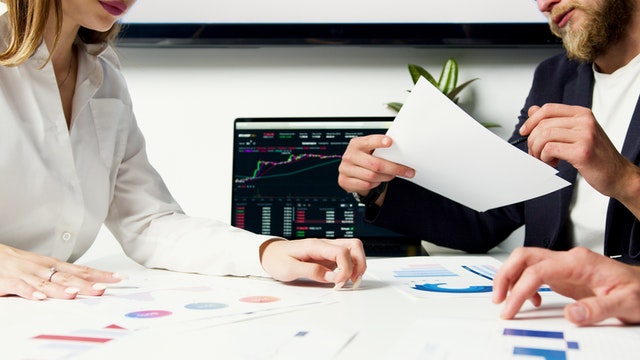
<point>186,99</point>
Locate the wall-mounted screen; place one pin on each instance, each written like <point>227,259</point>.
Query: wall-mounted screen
<point>335,22</point>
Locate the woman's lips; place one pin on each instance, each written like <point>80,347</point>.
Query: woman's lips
<point>115,8</point>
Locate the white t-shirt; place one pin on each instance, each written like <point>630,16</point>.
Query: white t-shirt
<point>614,100</point>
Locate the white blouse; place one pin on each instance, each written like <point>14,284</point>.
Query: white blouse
<point>60,185</point>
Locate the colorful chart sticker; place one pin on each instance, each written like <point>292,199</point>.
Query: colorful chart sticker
<point>205,306</point>
<point>148,314</point>
<point>443,289</point>
<point>259,299</point>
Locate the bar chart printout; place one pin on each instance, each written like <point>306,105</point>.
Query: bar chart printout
<point>548,339</point>
<point>434,276</point>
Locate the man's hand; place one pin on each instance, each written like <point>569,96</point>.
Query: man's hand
<point>603,287</point>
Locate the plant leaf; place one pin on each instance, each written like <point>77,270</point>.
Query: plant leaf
<point>416,71</point>
<point>448,76</point>
<point>395,106</point>
<point>490,124</point>
<point>454,92</point>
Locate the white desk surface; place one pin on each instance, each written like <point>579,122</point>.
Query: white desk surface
<point>375,322</point>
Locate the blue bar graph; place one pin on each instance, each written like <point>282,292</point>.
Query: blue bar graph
<point>422,271</point>
<point>547,354</point>
<point>534,333</point>
<point>543,353</point>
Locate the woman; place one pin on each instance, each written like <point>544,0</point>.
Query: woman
<point>73,158</point>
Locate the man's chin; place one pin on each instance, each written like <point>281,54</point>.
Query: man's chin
<point>578,57</point>
<point>581,54</point>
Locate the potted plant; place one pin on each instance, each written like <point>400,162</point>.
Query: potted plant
<point>447,83</point>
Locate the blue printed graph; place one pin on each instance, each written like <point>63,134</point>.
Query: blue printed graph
<point>441,288</point>
<point>426,271</point>
<point>557,353</point>
<point>429,277</point>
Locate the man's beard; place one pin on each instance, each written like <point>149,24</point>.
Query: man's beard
<point>601,28</point>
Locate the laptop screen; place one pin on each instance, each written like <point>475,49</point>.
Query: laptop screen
<point>285,182</point>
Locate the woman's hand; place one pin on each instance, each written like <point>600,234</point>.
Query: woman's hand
<point>323,260</point>
<point>37,277</point>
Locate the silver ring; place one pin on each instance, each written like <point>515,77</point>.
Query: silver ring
<point>52,271</point>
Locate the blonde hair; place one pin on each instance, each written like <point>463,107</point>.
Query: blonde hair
<point>27,23</point>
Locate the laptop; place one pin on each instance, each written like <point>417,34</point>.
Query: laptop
<point>285,182</point>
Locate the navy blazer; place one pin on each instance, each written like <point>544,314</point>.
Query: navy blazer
<point>420,213</point>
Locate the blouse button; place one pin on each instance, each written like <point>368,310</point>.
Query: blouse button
<point>66,236</point>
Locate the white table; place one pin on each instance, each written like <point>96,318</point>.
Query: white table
<point>375,322</point>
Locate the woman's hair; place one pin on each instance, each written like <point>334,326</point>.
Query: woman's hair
<point>27,20</point>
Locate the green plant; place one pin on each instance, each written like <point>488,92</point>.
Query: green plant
<point>447,83</point>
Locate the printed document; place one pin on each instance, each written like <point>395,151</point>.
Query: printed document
<point>457,157</point>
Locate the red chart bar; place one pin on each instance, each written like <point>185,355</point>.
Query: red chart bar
<point>72,338</point>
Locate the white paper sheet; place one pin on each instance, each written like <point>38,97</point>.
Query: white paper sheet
<point>150,305</point>
<point>437,276</point>
<point>430,277</point>
<point>455,156</point>
<point>554,338</point>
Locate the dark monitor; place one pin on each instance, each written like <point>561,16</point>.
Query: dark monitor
<point>285,182</point>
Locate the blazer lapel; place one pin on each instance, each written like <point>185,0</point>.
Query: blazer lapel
<point>631,146</point>
<point>618,231</point>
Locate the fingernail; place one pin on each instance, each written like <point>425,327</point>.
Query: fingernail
<point>72,290</point>
<point>120,276</point>
<point>356,284</point>
<point>577,312</point>
<point>99,287</point>
<point>339,285</point>
<point>505,311</point>
<point>38,295</point>
<point>409,173</point>
<point>329,276</point>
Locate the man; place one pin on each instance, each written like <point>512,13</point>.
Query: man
<point>580,117</point>
<point>603,287</point>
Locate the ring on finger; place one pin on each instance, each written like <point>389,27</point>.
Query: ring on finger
<point>52,271</point>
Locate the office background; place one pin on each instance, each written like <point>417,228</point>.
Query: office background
<point>186,99</point>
